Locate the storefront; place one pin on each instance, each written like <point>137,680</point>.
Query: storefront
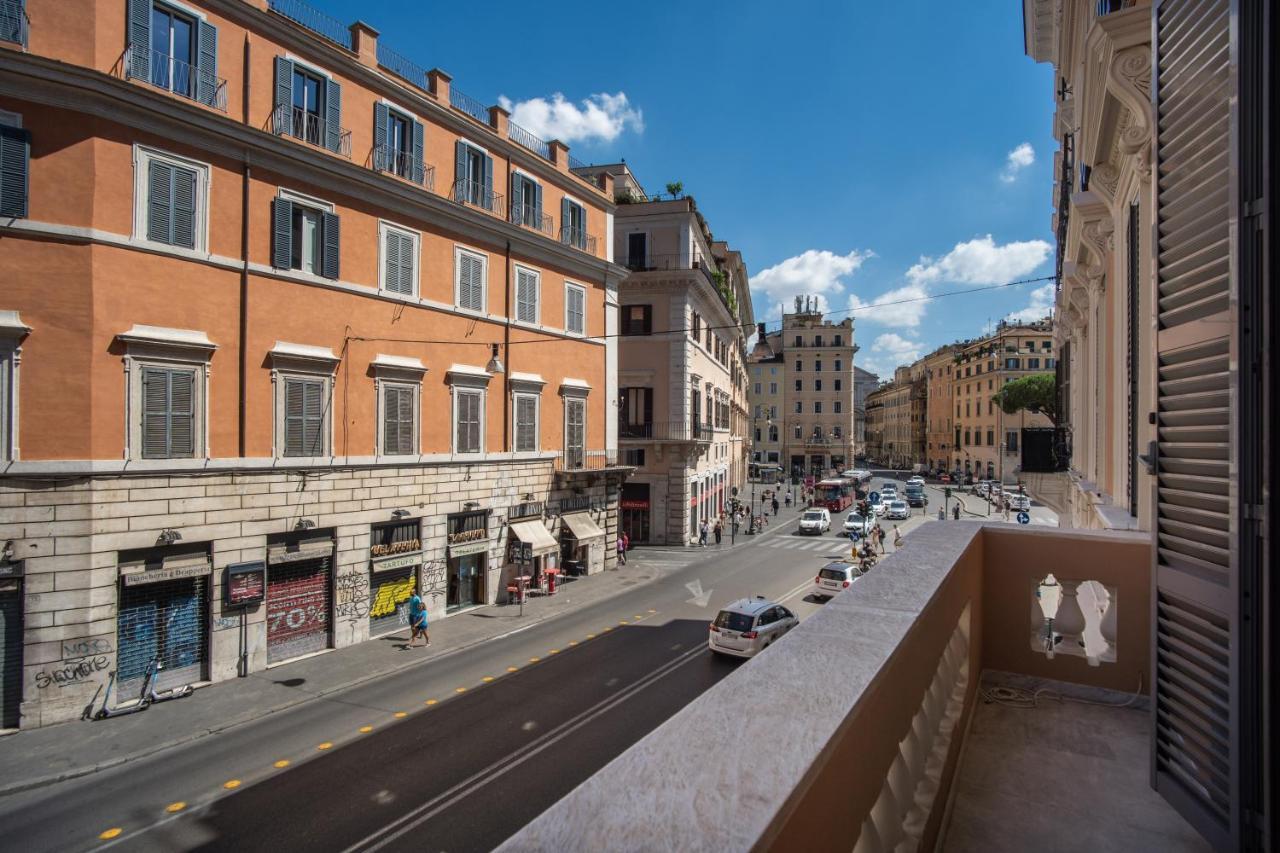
<point>10,643</point>
<point>582,543</point>
<point>635,510</point>
<point>299,573</point>
<point>163,616</point>
<point>531,550</point>
<point>467,534</point>
<point>395,553</point>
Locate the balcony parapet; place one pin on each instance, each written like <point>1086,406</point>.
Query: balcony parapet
<point>864,761</point>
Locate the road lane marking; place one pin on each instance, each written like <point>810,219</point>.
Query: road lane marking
<point>364,730</point>
<point>411,820</point>
<point>108,834</point>
<point>459,690</point>
<point>174,808</point>
<point>487,679</point>
<point>281,764</point>
<point>513,669</point>
<point>431,701</point>
<point>399,715</point>
<point>591,636</point>
<point>323,746</point>
<point>534,660</point>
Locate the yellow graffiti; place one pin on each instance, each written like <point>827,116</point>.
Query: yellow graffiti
<point>390,594</point>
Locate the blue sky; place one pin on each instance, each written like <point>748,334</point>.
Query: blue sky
<point>854,150</point>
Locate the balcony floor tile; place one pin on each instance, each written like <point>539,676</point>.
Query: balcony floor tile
<point>1062,776</point>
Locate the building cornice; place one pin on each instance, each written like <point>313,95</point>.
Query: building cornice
<point>37,79</point>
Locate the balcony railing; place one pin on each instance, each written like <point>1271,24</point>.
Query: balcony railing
<point>313,19</point>
<point>469,105</point>
<point>866,761</point>
<point>522,137</point>
<point>531,216</point>
<point>403,164</point>
<point>292,121</point>
<point>14,24</point>
<point>474,194</point>
<point>665,431</point>
<point>173,75</point>
<point>579,238</point>
<point>586,460</point>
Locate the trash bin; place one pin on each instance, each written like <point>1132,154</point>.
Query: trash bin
<point>574,568</point>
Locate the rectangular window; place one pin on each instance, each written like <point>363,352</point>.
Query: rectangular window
<point>838,385</point>
<point>399,260</point>
<point>307,236</point>
<point>633,457</point>
<point>817,407</point>
<point>757,387</point>
<point>637,251</point>
<point>1011,364</point>
<point>799,384</point>
<point>796,433</point>
<point>991,407</point>
<point>838,365</point>
<point>471,274</point>
<point>308,114</point>
<point>168,413</point>
<point>799,366</point>
<point>468,421</point>
<point>472,176</point>
<point>696,328</point>
<point>575,301</point>
<point>15,158</point>
<point>799,341</point>
<point>173,48</point>
<point>837,407</point>
<point>399,421</point>
<point>528,282</point>
<point>573,224</point>
<point>817,366</point>
<point>575,432</point>
<point>1033,364</point>
<point>817,384</point>
<point>799,408</point>
<point>817,340</point>
<point>170,207</point>
<point>304,417</point>
<point>991,437</point>
<point>773,387</point>
<point>526,422</point>
<point>637,319</point>
<point>1011,441</point>
<point>1050,363</point>
<point>838,341</point>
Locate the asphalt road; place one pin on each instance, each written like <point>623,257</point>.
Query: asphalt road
<point>456,755</point>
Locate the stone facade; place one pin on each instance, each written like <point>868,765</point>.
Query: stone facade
<point>67,537</point>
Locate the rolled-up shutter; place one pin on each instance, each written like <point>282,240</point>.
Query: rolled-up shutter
<point>1205,734</point>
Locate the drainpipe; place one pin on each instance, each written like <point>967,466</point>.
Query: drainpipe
<point>506,355</point>
<point>243,353</point>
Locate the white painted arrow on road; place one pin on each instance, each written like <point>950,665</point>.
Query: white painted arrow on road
<point>700,598</point>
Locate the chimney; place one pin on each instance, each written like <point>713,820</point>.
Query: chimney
<point>364,41</point>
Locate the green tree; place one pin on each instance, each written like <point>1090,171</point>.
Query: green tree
<point>1035,393</point>
<point>675,189</point>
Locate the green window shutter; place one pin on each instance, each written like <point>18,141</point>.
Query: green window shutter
<point>15,159</point>
<point>400,257</point>
<point>566,235</point>
<point>206,63</point>
<point>537,205</point>
<point>155,413</point>
<point>184,208</point>
<point>526,423</point>
<point>390,420</point>
<point>418,169</point>
<point>332,237</point>
<point>487,200</point>
<point>333,117</point>
<point>159,202</point>
<point>391,261</point>
<point>470,283</point>
<point>294,392</point>
<point>282,233</point>
<point>408,417</point>
<point>408,262</point>
<point>381,156</point>
<point>181,414</point>
<point>517,197</point>
<point>283,115</point>
<point>313,415</point>
<point>460,190</point>
<point>139,34</point>
<point>304,417</point>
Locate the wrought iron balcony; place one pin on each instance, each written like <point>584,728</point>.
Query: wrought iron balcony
<point>474,194</point>
<point>288,120</point>
<point>172,75</point>
<point>579,238</point>
<point>569,461</point>
<point>530,216</point>
<point>14,24</point>
<point>404,164</point>
<point>665,431</point>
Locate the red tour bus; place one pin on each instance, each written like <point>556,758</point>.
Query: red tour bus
<point>835,494</point>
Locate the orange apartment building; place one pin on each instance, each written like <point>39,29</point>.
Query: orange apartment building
<point>289,329</point>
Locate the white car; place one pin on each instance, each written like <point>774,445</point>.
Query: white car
<point>878,506</point>
<point>888,493</point>
<point>1019,503</point>
<point>981,488</point>
<point>898,510</point>
<point>916,480</point>
<point>816,521</point>
<point>856,523</point>
<point>833,578</point>
<point>746,627</point>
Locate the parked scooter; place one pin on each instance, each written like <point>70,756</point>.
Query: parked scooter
<point>147,697</point>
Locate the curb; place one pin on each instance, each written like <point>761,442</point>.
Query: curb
<point>199,734</point>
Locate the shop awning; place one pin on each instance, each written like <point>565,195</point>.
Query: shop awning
<point>582,527</point>
<point>533,533</point>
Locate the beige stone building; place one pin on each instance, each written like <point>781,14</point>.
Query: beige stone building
<point>685,313</point>
<point>988,443</point>
<point>864,382</point>
<point>1103,198</point>
<point>875,428</point>
<point>939,415</point>
<point>767,393</point>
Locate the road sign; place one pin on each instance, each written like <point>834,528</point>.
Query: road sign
<point>875,497</point>
<point>1024,518</point>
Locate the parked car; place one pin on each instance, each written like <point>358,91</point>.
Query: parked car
<point>916,496</point>
<point>853,522</point>
<point>816,521</point>
<point>834,577</point>
<point>898,510</point>
<point>1019,503</point>
<point>748,626</point>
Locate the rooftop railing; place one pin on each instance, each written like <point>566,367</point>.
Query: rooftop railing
<point>318,22</point>
<point>524,138</point>
<point>469,105</point>
<point>173,75</point>
<point>401,66</point>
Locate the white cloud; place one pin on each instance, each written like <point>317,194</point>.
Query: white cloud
<point>911,303</point>
<point>598,117</point>
<point>1041,305</point>
<point>1017,160</point>
<point>887,352</point>
<point>981,261</point>
<point>813,273</point>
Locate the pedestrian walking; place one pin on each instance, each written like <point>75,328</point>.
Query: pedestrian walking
<point>622,550</point>
<point>897,537</point>
<point>417,621</point>
<point>955,511</point>
<point>942,514</point>
<point>880,538</point>
<point>703,530</point>
<point>1006,512</point>
<point>788,498</point>
<point>719,531</point>
<point>775,504</point>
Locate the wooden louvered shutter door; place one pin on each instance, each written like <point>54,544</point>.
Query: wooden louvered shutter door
<point>294,391</point>
<point>155,413</point>
<point>1196,747</point>
<point>182,413</point>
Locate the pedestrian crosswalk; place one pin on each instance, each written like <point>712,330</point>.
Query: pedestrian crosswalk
<point>823,543</point>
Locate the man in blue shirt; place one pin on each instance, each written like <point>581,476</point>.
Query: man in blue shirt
<point>418,621</point>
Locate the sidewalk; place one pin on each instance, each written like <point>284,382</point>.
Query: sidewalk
<point>44,756</point>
